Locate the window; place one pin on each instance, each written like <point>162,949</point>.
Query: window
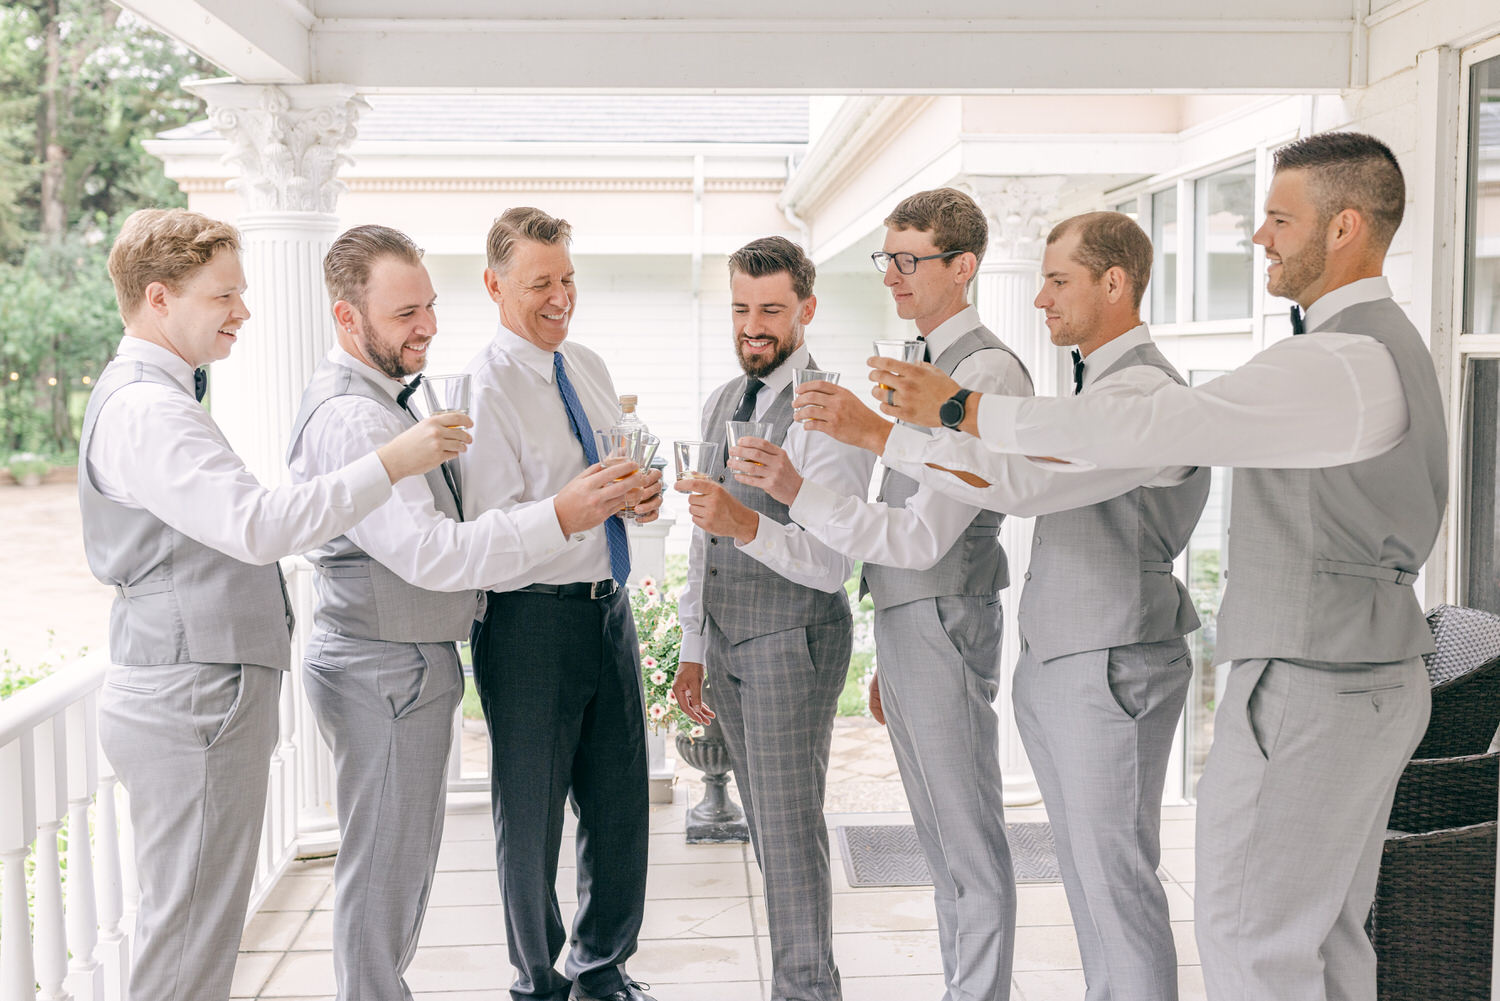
<point>1164,266</point>
<point>1223,205</point>
<point>1130,207</point>
<point>1478,346</point>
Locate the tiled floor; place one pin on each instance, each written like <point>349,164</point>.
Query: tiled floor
<point>705,928</point>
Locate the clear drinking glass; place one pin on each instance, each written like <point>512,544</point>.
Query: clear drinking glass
<point>802,376</point>
<point>911,351</point>
<point>694,459</point>
<point>748,429</point>
<point>446,394</point>
<point>645,450</point>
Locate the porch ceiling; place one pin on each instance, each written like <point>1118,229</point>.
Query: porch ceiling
<point>835,46</point>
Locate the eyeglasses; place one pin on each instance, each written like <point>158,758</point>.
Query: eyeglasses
<point>906,263</point>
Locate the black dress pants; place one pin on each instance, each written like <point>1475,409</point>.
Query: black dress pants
<point>560,682</point>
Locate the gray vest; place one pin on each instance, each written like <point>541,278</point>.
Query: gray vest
<point>975,564</point>
<point>177,601</point>
<point>358,596</point>
<point>743,596</point>
<point>1321,561</point>
<point>1101,575</point>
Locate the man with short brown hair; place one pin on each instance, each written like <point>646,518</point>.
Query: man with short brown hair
<point>556,660</point>
<point>200,632</point>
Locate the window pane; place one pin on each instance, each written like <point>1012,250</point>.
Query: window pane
<point>1223,204</point>
<point>1205,583</point>
<point>1164,267</point>
<point>1482,273</point>
<point>1481,561</point>
<point>1130,208</point>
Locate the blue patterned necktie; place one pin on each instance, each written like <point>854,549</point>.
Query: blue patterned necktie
<point>614,528</point>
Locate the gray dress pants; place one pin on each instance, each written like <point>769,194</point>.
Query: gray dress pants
<point>386,710</point>
<point>775,697</point>
<point>939,673</point>
<point>1098,730</point>
<point>1292,808</point>
<point>192,745</point>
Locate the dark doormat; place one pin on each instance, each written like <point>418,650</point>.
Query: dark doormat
<point>888,855</point>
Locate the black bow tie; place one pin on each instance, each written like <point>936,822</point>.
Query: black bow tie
<point>407,390</point>
<point>1077,371</point>
<point>1298,327</point>
<point>200,383</point>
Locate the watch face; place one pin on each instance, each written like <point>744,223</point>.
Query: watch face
<point>951,413</point>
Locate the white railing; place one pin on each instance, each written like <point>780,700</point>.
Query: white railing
<point>66,933</point>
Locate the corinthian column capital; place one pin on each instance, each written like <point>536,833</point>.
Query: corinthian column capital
<point>288,142</point>
<point>1020,211</point>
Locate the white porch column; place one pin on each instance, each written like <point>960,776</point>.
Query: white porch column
<point>288,144</point>
<point>1017,210</point>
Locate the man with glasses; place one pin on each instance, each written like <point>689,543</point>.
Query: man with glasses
<point>1341,484</point>
<point>934,567</point>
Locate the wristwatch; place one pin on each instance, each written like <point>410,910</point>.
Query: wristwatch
<point>951,413</point>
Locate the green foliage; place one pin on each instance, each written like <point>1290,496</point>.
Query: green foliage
<point>854,700</point>
<point>82,85</point>
<point>660,635</point>
<point>14,676</point>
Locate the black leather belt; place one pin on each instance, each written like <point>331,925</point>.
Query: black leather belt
<point>590,591</point>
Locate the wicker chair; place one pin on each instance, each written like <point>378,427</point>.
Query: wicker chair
<point>1465,675</point>
<point>1433,920</point>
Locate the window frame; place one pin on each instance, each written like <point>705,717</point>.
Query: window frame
<point>1464,346</point>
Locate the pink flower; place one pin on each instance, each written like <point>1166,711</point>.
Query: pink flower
<point>649,663</point>
<point>695,732</point>
<point>658,677</point>
<point>658,712</point>
<point>672,697</point>
<point>648,582</point>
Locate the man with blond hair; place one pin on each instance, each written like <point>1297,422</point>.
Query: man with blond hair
<point>934,567</point>
<point>395,593</point>
<point>555,659</point>
<point>200,632</point>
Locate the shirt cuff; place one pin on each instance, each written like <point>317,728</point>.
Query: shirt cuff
<point>539,529</point>
<point>814,504</point>
<point>908,445</point>
<point>997,420</point>
<point>369,484</point>
<point>692,647</point>
<point>759,546</point>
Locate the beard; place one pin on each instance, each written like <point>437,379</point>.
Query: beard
<point>385,360</point>
<point>761,366</point>
<point>1300,269</point>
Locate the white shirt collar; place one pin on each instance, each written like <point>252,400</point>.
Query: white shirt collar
<point>140,349</point>
<point>951,329</point>
<point>341,357</point>
<point>1331,302</point>
<point>1107,354</point>
<point>781,376</point>
<point>527,353</point>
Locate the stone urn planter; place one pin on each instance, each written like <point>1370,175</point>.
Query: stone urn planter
<point>718,819</point>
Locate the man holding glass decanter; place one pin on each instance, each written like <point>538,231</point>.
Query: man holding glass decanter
<point>764,611</point>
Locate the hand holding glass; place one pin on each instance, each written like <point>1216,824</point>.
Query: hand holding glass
<point>909,351</point>
<point>748,429</point>
<point>645,451</point>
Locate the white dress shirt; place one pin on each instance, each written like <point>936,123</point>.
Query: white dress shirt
<point>787,549</point>
<point>156,449</point>
<point>524,450</point>
<point>918,535</point>
<point>1027,487</point>
<point>408,535</point>
<point>1305,402</point>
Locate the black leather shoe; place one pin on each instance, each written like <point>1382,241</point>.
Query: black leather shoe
<point>632,991</point>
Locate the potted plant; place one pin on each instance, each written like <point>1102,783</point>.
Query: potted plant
<point>718,818</point>
<point>28,468</point>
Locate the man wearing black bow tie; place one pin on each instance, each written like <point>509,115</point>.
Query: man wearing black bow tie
<point>200,632</point>
<point>394,594</point>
